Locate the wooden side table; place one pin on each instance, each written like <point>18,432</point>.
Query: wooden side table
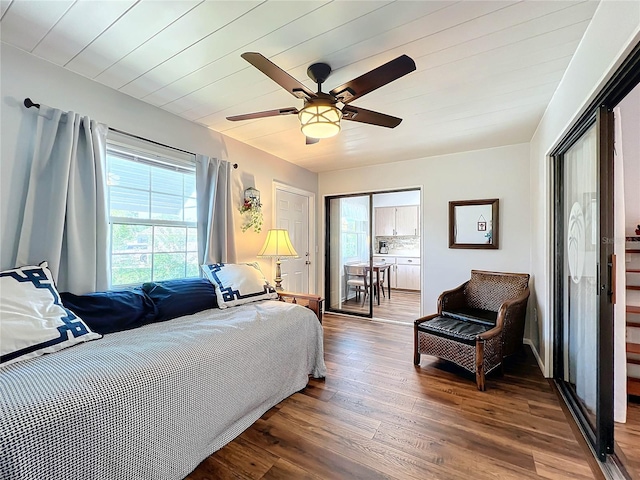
<point>311,301</point>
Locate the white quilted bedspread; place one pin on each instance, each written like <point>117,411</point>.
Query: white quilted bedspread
<point>153,402</point>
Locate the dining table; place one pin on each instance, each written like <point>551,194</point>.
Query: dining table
<point>377,268</point>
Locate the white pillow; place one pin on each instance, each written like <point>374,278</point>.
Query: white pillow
<point>32,318</point>
<point>238,283</point>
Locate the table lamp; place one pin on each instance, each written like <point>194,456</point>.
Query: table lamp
<point>278,245</point>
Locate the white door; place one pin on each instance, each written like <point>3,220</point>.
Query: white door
<point>292,213</point>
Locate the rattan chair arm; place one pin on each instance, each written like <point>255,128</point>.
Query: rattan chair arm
<point>489,334</point>
<point>424,319</point>
<point>512,305</point>
<point>452,299</point>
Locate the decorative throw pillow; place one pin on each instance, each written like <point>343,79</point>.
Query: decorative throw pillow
<point>34,321</point>
<point>113,311</point>
<point>185,296</point>
<point>238,283</point>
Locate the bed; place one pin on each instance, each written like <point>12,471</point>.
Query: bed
<point>154,401</point>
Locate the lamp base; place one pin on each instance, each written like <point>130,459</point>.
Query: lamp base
<point>278,278</point>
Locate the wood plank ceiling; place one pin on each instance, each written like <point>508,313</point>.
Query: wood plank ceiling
<point>486,70</point>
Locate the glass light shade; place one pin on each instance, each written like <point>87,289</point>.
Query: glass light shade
<point>277,245</point>
<point>320,121</point>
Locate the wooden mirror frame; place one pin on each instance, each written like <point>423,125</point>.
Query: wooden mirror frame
<point>493,245</point>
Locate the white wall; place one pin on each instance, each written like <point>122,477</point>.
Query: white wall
<point>493,173</point>
<point>23,75</point>
<point>610,36</point>
<point>630,118</point>
<point>397,199</point>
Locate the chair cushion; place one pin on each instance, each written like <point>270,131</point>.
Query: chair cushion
<point>477,315</point>
<point>463,331</point>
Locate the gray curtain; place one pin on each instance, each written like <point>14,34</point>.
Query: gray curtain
<point>65,218</point>
<point>215,211</point>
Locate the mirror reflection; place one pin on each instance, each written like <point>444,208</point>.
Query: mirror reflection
<point>473,224</point>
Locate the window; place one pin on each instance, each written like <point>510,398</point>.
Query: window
<point>152,211</point>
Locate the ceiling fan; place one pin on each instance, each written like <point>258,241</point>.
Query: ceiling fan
<point>320,116</point>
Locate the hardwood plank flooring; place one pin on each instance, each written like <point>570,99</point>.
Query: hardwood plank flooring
<point>627,437</point>
<point>403,306</point>
<point>376,416</point>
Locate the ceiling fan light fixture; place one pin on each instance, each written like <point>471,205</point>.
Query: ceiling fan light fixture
<point>320,120</point>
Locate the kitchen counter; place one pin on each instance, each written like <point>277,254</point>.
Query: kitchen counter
<point>402,255</point>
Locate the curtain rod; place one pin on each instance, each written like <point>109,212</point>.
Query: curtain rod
<point>29,103</point>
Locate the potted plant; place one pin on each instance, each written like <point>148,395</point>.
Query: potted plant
<point>252,209</point>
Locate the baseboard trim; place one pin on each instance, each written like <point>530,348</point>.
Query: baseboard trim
<point>527,341</point>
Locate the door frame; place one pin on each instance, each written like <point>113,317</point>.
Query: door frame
<point>325,254</point>
<point>313,247</point>
<point>623,80</point>
<point>600,436</point>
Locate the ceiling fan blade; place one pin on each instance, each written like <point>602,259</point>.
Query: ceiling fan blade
<point>311,141</point>
<point>357,114</point>
<point>266,113</point>
<point>374,79</point>
<point>275,73</point>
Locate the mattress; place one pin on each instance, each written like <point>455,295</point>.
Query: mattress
<point>153,402</point>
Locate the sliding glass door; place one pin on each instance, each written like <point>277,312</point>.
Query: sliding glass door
<point>349,254</point>
<point>583,260</point>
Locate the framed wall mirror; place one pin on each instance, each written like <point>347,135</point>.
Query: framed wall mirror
<point>474,224</point>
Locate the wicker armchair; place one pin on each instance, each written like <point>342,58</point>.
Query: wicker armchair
<point>477,324</point>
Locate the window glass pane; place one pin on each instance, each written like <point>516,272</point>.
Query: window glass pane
<point>166,247</point>
<point>169,239</point>
<point>126,173</point>
<point>129,269</point>
<point>190,213</point>
<point>166,181</point>
<point>193,268</point>
<point>192,240</point>
<point>129,203</point>
<point>168,265</point>
<point>167,207</point>
<point>350,244</point>
<point>190,186</point>
<point>130,238</point>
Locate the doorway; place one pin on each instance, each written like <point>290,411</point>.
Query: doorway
<point>595,329</point>
<point>373,255</point>
<point>294,211</point>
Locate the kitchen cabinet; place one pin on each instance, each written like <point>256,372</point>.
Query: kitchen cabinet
<point>393,221</point>
<point>404,272</point>
<point>408,273</point>
<point>407,220</point>
<point>385,218</point>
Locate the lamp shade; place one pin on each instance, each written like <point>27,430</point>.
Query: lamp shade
<point>320,120</point>
<point>277,245</point>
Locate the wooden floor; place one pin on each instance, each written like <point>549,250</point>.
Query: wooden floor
<point>627,437</point>
<point>377,416</point>
<point>403,306</point>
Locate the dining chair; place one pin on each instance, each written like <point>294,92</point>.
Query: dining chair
<point>376,279</point>
<point>355,278</point>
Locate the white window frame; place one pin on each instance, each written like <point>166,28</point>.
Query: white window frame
<point>137,150</point>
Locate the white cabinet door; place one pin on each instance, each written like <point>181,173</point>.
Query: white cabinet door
<point>390,221</point>
<point>407,220</point>
<point>385,218</point>
<point>408,273</point>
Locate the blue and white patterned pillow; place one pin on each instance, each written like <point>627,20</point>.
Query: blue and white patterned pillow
<point>238,283</point>
<point>33,320</point>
